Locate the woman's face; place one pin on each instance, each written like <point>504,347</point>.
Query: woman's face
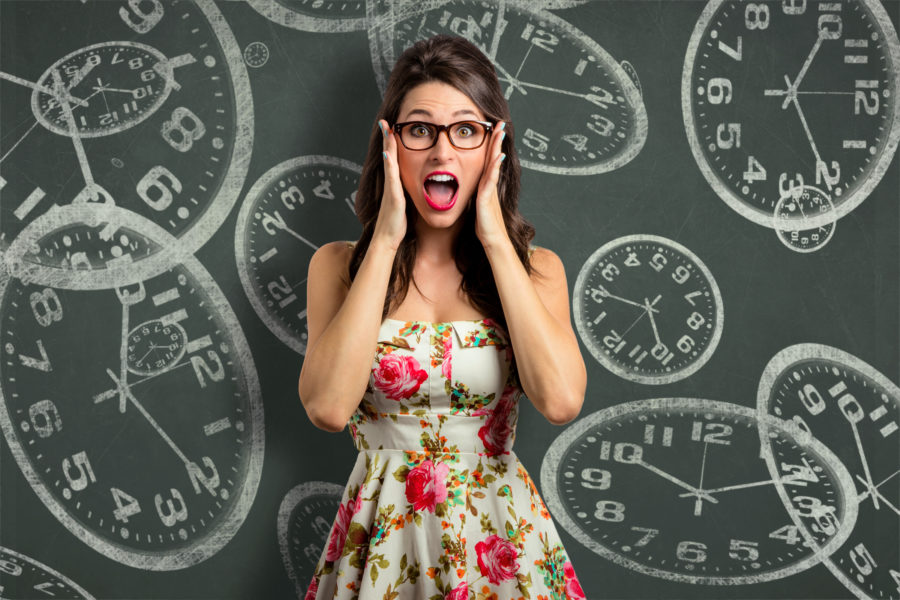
<point>440,203</point>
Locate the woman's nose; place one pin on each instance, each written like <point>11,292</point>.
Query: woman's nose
<point>442,147</point>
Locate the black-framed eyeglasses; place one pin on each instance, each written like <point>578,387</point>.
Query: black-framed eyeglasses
<point>421,135</point>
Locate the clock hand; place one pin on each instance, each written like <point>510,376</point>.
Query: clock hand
<point>872,490</point>
<point>499,26</point>
<point>280,225</point>
<point>865,463</point>
<point>112,89</point>
<point>650,310</point>
<point>42,89</point>
<point>123,354</point>
<point>698,502</point>
<point>674,480</point>
<point>792,87</point>
<point>81,74</point>
<point>98,398</point>
<point>506,77</point>
<point>73,129</point>
<point>146,354</point>
<point>522,64</point>
<point>605,293</point>
<point>741,486</point>
<point>809,137</point>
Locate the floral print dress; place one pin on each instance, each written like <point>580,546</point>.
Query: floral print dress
<point>438,507</point>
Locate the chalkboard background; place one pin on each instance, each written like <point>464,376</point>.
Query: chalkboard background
<point>247,99</point>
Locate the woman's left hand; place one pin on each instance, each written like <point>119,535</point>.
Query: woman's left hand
<point>489,225</point>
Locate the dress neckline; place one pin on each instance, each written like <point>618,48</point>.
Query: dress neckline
<point>387,320</point>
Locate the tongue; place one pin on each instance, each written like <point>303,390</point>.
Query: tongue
<point>441,193</point>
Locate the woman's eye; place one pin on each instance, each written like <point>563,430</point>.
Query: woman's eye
<point>465,131</point>
<point>419,130</point>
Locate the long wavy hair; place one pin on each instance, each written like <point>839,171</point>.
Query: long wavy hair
<point>457,62</point>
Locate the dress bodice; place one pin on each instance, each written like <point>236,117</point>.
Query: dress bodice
<point>439,387</point>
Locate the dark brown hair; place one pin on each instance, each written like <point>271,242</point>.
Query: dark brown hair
<point>457,62</point>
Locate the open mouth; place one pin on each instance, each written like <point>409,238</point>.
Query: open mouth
<point>440,190</point>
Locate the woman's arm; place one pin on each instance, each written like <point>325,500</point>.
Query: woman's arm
<point>551,368</point>
<point>343,331</point>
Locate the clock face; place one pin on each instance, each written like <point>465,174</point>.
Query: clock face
<point>304,522</point>
<point>599,122</point>
<point>23,577</point>
<point>293,209</point>
<point>324,16</point>
<point>168,375</point>
<point>762,117</point>
<point>678,489</point>
<point>161,125</point>
<point>648,309</point>
<point>797,207</point>
<point>855,411</point>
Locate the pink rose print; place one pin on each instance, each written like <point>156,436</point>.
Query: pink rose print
<point>339,529</point>
<point>496,429</point>
<point>399,377</point>
<point>573,587</point>
<point>312,590</point>
<point>445,368</point>
<point>460,592</point>
<point>426,485</point>
<point>497,558</point>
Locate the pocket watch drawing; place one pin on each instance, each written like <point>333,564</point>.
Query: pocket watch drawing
<point>153,114</point>
<point>855,411</point>
<point>323,16</point>
<point>648,309</point>
<point>147,443</point>
<point>22,577</point>
<point>598,122</point>
<point>677,488</point>
<point>305,518</point>
<point>794,209</point>
<point>293,209</point>
<point>762,117</point>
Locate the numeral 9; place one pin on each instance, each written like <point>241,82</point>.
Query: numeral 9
<point>596,479</point>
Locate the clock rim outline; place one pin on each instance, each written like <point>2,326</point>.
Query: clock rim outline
<point>594,347</point>
<point>381,49</point>
<point>290,501</point>
<point>784,360</point>
<point>721,188</point>
<point>242,237</point>
<point>181,352</point>
<point>204,546</point>
<point>280,14</point>
<point>50,570</point>
<point>552,462</point>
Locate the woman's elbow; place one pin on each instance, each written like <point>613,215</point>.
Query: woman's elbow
<point>326,420</point>
<point>564,410</point>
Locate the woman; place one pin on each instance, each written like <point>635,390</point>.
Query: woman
<point>437,505</point>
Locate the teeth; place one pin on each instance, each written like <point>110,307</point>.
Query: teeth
<point>441,178</point>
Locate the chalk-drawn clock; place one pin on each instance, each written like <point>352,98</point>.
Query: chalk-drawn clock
<point>652,485</point>
<point>762,117</point>
<point>648,309</point>
<point>152,460</point>
<point>598,121</point>
<point>323,16</point>
<point>305,517</point>
<point>152,111</point>
<point>294,208</point>
<point>22,577</point>
<point>792,213</point>
<point>855,411</point>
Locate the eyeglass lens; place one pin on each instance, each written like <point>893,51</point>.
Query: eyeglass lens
<point>419,136</point>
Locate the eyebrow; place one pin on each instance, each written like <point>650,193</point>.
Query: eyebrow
<point>422,111</point>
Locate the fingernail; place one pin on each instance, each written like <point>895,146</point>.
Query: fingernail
<point>502,125</point>
<point>502,135</point>
<point>384,154</point>
<point>383,130</point>
<point>502,157</point>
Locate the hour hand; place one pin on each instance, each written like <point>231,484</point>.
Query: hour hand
<point>694,491</point>
<point>606,294</point>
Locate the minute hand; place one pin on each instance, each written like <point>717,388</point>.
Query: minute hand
<point>676,481</point>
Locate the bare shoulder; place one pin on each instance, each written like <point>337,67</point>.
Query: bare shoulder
<point>548,267</point>
<point>331,262</point>
<point>327,285</point>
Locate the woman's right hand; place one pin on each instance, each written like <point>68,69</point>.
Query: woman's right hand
<point>391,224</point>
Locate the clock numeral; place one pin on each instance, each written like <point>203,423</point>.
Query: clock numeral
<point>148,75</point>
<point>273,222</point>
<point>44,418</point>
<point>578,141</point>
<point>734,136</point>
<point>694,552</point>
<point>756,16</point>
<point>467,28</point>
<point>200,365</point>
<point>735,53</point>
<point>609,272</point>
<point>540,38</point>
<point>649,534</point>
<point>823,175</point>
<point>613,341</point>
<point>171,515</point>
<point>690,297</point>
<point>823,515</point>
<point>41,364</point>
<point>598,293</point>
<point>755,171</point>
<point>861,99</point>
<point>686,343</point>
<point>312,552</point>
<point>610,510</point>
<point>46,307</point>
<point>195,472</point>
<point>743,550</point>
<point>788,534</point>
<point>792,186</point>
<point>596,479</point>
<point>848,404</point>
<point>323,190</point>
<point>600,97</point>
<point>536,141</point>
<point>695,321</point>
<point>681,274</point>
<point>135,63</point>
<point>856,59</point>
<point>799,474</point>
<point>22,211</point>
<point>661,352</point>
<point>830,25</point>
<point>632,260</point>
<point>146,20</point>
<point>187,134</point>
<point>811,399</point>
<point>126,505</point>
<point>291,197</point>
<point>793,7</point>
<point>650,434</point>
<point>282,293</point>
<point>10,568</point>
<point>658,262</point>
<point>862,560</point>
<point>601,125</point>
<point>634,352</point>
<point>623,452</point>
<point>153,180</point>
<point>321,527</point>
<point>85,474</point>
<point>716,433</point>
